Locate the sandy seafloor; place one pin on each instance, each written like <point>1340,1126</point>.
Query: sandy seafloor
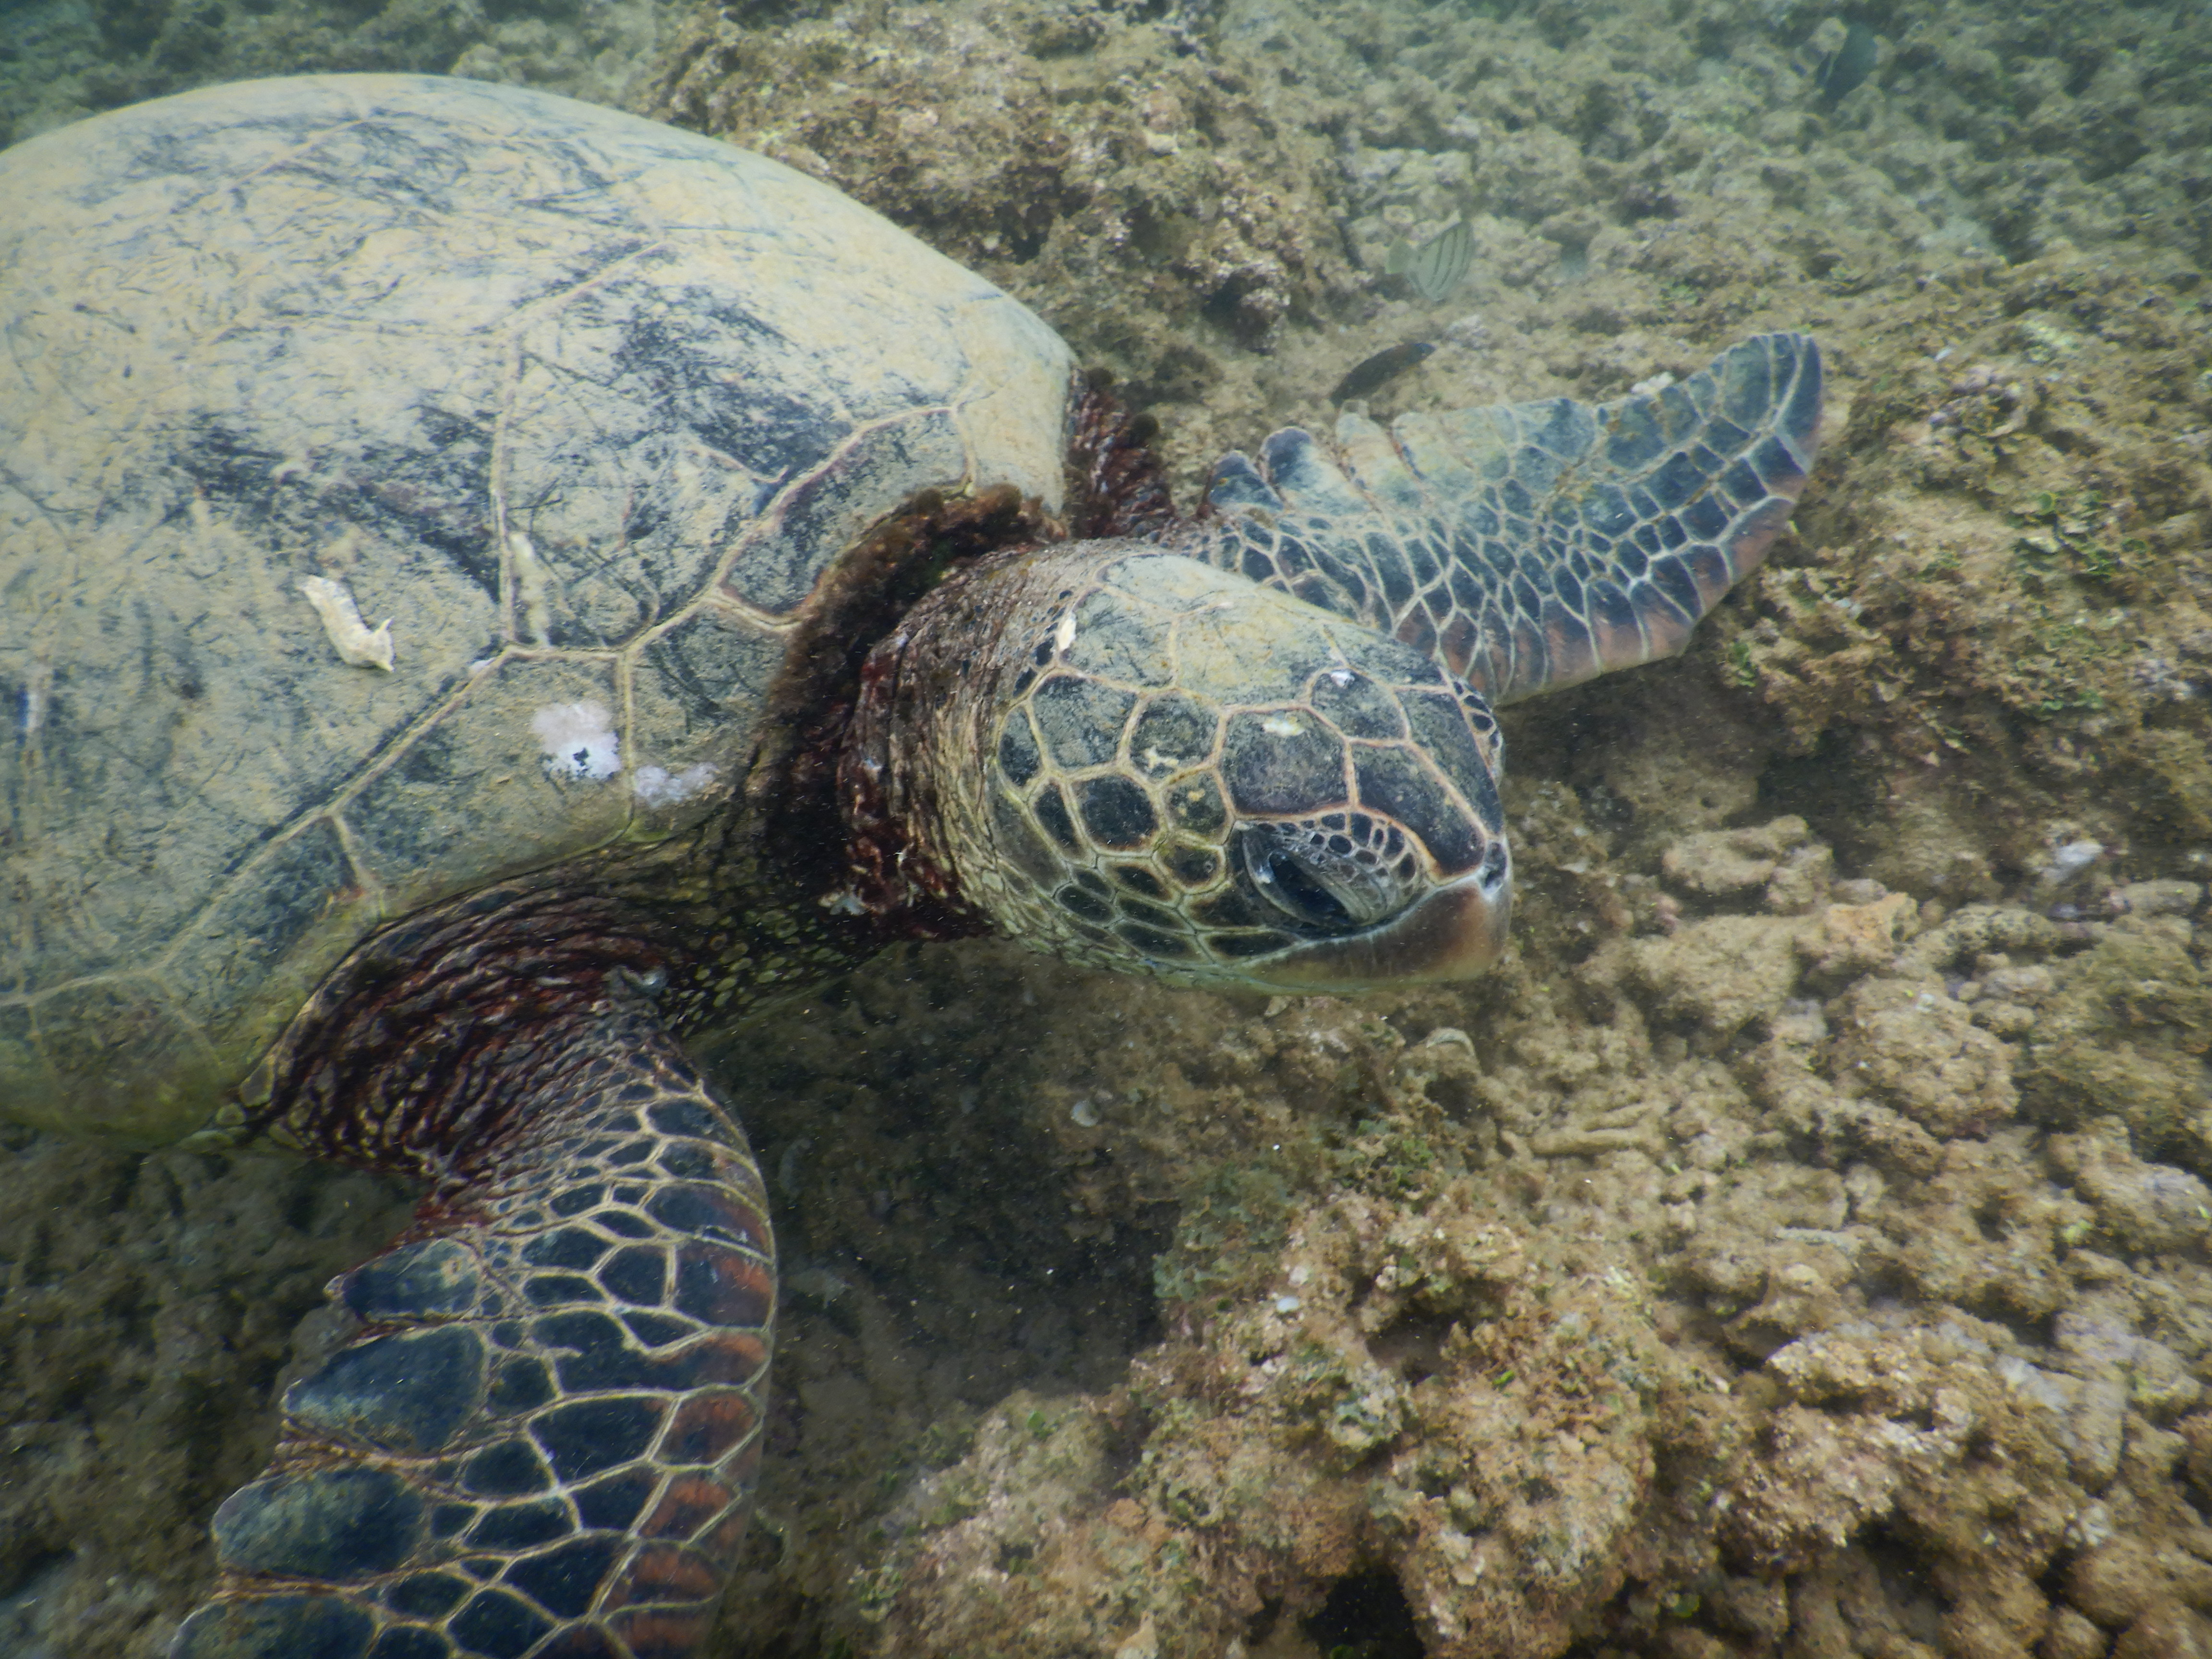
<point>1800,1246</point>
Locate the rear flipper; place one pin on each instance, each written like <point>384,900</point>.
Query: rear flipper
<point>1529,546</point>
<point>545,1441</point>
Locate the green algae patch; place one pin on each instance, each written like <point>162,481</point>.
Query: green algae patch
<point>1234,1219</point>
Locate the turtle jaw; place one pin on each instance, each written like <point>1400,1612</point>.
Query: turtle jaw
<point>1455,931</point>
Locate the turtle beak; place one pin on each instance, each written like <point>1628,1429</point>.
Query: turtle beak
<point>1455,931</point>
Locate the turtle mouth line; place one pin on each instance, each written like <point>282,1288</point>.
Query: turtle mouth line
<point>1456,932</point>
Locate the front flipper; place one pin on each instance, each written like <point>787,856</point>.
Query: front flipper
<point>1529,546</point>
<point>544,1441</point>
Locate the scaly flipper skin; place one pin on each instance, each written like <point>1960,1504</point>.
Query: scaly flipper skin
<point>544,1441</point>
<point>1531,546</point>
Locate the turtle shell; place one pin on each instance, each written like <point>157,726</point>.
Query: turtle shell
<point>584,406</point>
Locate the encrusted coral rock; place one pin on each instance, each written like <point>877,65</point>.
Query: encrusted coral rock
<point>2139,1206</point>
<point>1718,862</point>
<point>1858,939</point>
<point>1723,972</point>
<point>1912,1044</point>
<point>2126,1033</point>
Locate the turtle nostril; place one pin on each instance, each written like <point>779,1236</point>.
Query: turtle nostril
<point>1495,865</point>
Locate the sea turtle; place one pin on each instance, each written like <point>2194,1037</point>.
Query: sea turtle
<point>761,586</point>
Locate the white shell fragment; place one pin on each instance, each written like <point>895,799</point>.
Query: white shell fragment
<point>38,685</point>
<point>354,640</point>
<point>533,586</point>
<point>2071,859</point>
<point>579,741</point>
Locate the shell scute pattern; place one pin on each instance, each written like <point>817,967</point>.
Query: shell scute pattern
<point>842,496</point>
<point>421,824</point>
<point>237,944</point>
<point>584,405</point>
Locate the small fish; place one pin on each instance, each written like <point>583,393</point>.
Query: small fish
<point>1382,367</point>
<point>1847,66</point>
<point>1436,267</point>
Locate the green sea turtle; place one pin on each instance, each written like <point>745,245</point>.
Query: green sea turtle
<point>761,587</point>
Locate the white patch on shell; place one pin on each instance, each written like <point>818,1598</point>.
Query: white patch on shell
<point>355,642</point>
<point>656,786</point>
<point>1283,726</point>
<point>579,741</point>
<point>1064,635</point>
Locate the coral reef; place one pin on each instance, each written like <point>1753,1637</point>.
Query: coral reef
<point>1801,1246</point>
<point>62,59</point>
<point>142,1301</point>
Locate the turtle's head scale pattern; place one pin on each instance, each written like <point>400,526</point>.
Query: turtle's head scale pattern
<point>1141,761</point>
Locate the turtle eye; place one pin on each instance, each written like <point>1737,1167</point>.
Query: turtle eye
<point>1298,881</point>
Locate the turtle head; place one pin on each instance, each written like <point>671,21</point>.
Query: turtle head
<point>1138,761</point>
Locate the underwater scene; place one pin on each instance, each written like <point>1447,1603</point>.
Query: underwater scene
<point>1798,1245</point>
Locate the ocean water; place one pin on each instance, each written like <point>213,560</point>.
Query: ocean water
<point>1795,1246</point>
